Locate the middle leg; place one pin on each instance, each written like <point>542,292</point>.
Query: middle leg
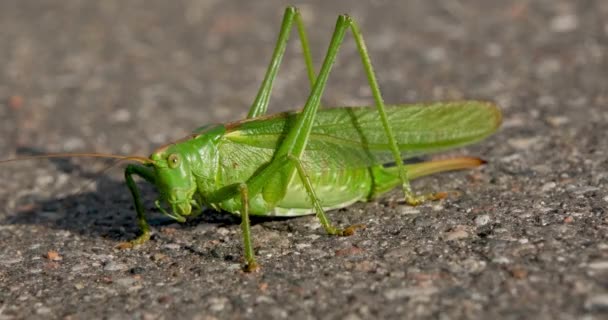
<point>260,104</point>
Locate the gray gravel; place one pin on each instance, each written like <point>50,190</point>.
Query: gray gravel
<point>525,239</point>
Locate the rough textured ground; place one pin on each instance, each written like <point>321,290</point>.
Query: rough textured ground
<point>526,239</point>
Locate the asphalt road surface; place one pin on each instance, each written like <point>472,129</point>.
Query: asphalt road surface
<point>525,238</point>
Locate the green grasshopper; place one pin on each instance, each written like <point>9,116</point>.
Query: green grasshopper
<point>311,161</point>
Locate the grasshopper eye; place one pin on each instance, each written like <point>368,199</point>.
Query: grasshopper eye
<point>173,160</point>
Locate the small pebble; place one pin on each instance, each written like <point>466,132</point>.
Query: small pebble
<point>126,281</point>
<point>408,210</point>
<point>456,234</point>
<point>598,265</point>
<point>43,310</point>
<point>557,121</point>
<point>10,260</point>
<point>548,186</point>
<point>401,293</point>
<point>548,67</point>
<point>172,246</point>
<point>436,54</point>
<point>301,246</point>
<point>115,266</point>
<point>597,302</point>
<point>474,266</point>
<point>519,272</point>
<point>482,220</point>
<point>121,116</point>
<point>501,260</point>
<point>234,267</point>
<point>399,253</point>
<point>522,143</point>
<point>217,304</point>
<point>264,299</point>
<point>350,251</point>
<point>53,256</point>
<point>493,50</point>
<point>223,231</point>
<point>158,256</point>
<point>564,23</point>
<point>79,267</point>
<point>15,102</point>
<point>73,143</point>
<point>586,189</point>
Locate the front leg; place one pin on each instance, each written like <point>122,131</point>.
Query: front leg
<point>246,190</point>
<point>147,174</point>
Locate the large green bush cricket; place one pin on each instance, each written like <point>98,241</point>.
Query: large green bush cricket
<point>298,163</point>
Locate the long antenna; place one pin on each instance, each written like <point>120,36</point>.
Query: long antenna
<point>80,155</point>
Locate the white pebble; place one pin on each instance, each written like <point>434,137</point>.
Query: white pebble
<point>482,220</point>
<point>564,23</point>
<point>121,115</point>
<point>548,186</point>
<point>598,265</point>
<point>113,266</point>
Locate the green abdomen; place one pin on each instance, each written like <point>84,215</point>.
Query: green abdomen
<point>335,189</point>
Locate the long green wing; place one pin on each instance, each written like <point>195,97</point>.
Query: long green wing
<point>354,136</point>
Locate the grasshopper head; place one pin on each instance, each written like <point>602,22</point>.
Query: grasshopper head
<point>175,182</point>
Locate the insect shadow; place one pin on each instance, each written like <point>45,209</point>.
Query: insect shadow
<point>106,212</point>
